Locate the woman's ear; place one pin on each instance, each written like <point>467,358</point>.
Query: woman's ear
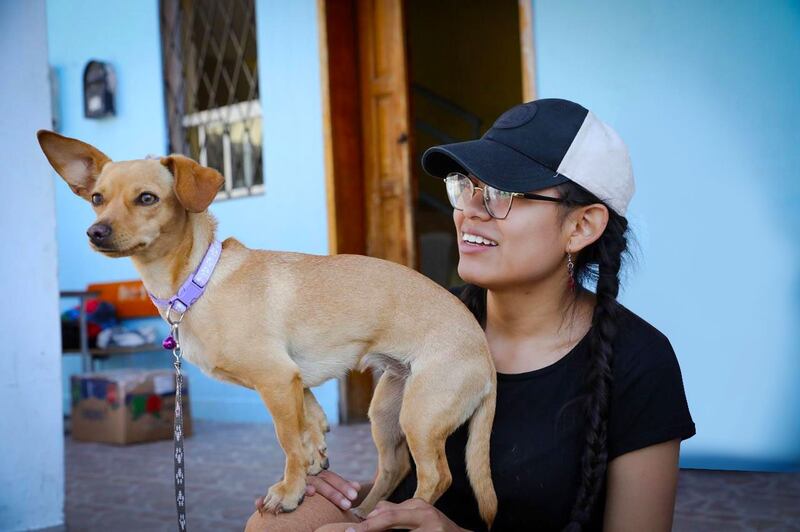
<point>587,225</point>
<point>196,186</point>
<point>77,162</point>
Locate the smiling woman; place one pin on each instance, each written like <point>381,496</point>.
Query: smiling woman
<point>573,394</point>
<point>582,380</point>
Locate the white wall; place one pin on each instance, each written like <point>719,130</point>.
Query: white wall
<point>32,444</point>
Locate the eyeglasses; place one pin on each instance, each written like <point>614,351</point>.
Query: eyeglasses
<point>460,190</point>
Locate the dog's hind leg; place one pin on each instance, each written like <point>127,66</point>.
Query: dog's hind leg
<point>316,425</point>
<point>393,459</point>
<point>431,411</point>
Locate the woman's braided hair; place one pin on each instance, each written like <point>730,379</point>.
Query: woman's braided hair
<point>599,262</point>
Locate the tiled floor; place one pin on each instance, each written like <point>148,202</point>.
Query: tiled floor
<point>228,465</point>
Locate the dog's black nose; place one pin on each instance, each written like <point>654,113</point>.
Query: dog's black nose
<point>99,233</point>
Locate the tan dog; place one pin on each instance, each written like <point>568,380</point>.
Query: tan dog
<point>279,323</point>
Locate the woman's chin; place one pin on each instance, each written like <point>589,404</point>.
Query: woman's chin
<point>474,273</point>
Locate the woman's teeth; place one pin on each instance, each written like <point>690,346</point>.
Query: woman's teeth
<point>475,239</point>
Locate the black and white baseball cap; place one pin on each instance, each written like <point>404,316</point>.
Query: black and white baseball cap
<point>541,144</point>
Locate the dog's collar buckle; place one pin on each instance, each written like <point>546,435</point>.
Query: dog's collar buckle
<point>191,290</point>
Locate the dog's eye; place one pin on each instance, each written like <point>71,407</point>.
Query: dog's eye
<point>97,199</point>
<point>146,198</point>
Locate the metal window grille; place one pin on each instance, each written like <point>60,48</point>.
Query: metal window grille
<point>211,88</point>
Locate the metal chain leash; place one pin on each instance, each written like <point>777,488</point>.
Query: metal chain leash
<point>173,342</point>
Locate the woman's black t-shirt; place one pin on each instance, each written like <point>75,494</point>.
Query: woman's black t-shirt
<point>536,454</point>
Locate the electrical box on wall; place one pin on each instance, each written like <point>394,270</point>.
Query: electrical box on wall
<point>99,88</point>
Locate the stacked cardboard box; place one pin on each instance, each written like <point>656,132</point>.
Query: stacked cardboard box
<point>126,406</point>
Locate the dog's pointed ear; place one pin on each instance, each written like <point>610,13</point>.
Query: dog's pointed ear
<point>196,186</point>
<point>77,162</point>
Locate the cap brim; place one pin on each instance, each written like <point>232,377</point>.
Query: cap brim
<point>493,163</point>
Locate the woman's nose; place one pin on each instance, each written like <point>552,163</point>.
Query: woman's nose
<point>474,206</point>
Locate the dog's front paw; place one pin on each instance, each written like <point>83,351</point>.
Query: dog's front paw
<point>315,467</point>
<point>318,460</point>
<point>283,497</point>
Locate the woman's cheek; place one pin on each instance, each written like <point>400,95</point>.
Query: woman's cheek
<point>527,254</point>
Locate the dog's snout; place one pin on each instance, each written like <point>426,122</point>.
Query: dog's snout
<point>99,232</point>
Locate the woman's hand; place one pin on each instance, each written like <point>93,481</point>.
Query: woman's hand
<point>414,514</point>
<point>341,492</point>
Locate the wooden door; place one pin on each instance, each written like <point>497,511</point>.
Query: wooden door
<point>385,131</point>
<point>367,146</point>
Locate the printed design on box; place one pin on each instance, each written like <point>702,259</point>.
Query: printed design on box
<point>150,403</point>
<point>97,388</point>
<point>141,404</point>
<point>112,395</point>
<point>76,391</point>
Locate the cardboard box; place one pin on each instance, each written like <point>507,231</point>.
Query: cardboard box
<point>126,406</point>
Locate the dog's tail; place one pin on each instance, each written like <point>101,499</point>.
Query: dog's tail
<point>477,455</point>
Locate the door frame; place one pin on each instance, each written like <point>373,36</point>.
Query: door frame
<point>528,55</point>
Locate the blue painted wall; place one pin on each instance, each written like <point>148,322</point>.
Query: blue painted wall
<point>706,97</point>
<point>291,215</point>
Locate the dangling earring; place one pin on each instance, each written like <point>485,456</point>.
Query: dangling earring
<point>570,270</point>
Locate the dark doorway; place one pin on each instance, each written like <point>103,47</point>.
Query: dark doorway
<point>464,63</point>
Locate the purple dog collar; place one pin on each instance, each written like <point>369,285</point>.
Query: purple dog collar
<point>195,285</point>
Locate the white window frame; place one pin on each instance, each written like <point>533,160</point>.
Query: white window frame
<point>226,116</point>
